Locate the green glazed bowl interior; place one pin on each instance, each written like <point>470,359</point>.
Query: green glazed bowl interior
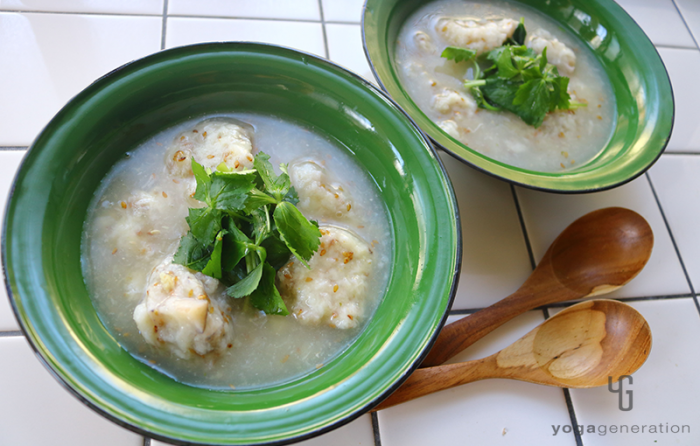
<point>639,81</point>
<point>66,163</point>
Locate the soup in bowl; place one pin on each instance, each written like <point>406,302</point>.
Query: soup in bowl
<point>102,263</point>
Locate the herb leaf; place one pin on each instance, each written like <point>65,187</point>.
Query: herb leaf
<point>213,267</point>
<point>458,54</point>
<point>204,223</point>
<point>248,228</point>
<point>517,79</point>
<point>301,236</point>
<point>191,253</point>
<point>266,297</point>
<point>230,191</point>
<point>247,285</point>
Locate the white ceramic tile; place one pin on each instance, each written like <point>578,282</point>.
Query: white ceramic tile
<point>664,390</point>
<point>357,433</point>
<point>660,20</point>
<point>301,36</point>
<point>9,162</point>
<point>49,58</point>
<point>546,215</point>
<point>676,181</point>
<point>691,12</point>
<point>681,65</point>
<point>154,7</point>
<point>342,10</point>
<point>345,48</point>
<point>495,261</point>
<point>271,9</point>
<point>36,410</point>
<point>491,412</point>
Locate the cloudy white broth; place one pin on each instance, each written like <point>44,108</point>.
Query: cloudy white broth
<point>182,322</point>
<point>566,140</point>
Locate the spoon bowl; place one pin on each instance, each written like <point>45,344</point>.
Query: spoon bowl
<point>583,346</point>
<point>596,254</point>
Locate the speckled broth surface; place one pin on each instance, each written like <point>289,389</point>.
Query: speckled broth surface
<point>265,349</point>
<point>565,140</point>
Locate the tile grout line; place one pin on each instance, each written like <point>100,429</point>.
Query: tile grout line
<point>569,402</point>
<point>14,148</point>
<point>375,429</point>
<point>673,241</point>
<point>323,28</point>
<point>186,16</point>
<point>671,152</point>
<point>11,334</point>
<point>114,14</point>
<point>523,228</point>
<point>466,311</point>
<point>165,24</point>
<point>685,22</point>
<point>675,47</point>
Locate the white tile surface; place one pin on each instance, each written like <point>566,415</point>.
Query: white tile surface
<point>342,10</point>
<point>691,12</point>
<point>92,6</point>
<point>676,181</point>
<point>357,433</point>
<point>495,261</point>
<point>491,412</point>
<point>681,64</point>
<point>546,215</point>
<point>49,58</point>
<point>298,35</point>
<point>273,9</point>
<point>36,410</point>
<point>665,389</point>
<point>660,20</point>
<point>345,48</point>
<point>9,162</point>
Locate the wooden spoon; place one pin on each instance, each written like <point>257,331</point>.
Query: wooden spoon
<point>596,254</point>
<point>579,347</point>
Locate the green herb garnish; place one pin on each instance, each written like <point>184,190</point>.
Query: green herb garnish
<point>513,77</point>
<point>248,228</point>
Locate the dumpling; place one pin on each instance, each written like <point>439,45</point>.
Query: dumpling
<point>334,290</point>
<point>212,142</point>
<point>450,101</point>
<point>558,54</point>
<point>477,36</point>
<point>179,312</point>
<point>319,195</point>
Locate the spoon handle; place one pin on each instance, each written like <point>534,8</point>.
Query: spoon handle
<point>432,379</point>
<point>460,334</point>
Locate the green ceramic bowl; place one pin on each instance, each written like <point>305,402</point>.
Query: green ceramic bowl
<point>73,153</point>
<point>641,86</point>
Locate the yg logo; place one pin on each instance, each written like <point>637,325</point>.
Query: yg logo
<point>621,406</point>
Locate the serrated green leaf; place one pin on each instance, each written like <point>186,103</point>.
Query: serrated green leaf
<point>261,224</point>
<point>277,186</point>
<point>292,196</point>
<point>506,70</point>
<point>213,268</point>
<point>203,181</point>
<point>236,245</point>
<point>229,191</point>
<point>257,199</point>
<point>299,234</point>
<point>458,54</point>
<point>247,285</point>
<point>266,297</point>
<point>278,253</point>
<point>191,253</point>
<point>204,224</point>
